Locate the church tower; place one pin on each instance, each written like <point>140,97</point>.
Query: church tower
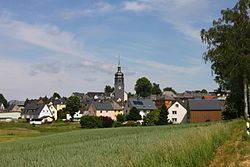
<point>119,84</point>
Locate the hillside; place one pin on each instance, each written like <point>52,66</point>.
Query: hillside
<point>175,145</point>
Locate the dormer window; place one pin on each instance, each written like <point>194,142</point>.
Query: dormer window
<point>176,105</point>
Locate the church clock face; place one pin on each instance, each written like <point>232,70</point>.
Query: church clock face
<point>119,87</point>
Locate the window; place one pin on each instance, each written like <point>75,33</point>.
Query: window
<point>174,112</point>
<point>174,119</point>
<point>101,111</point>
<point>176,105</point>
<point>107,111</point>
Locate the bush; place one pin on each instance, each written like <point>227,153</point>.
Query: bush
<point>133,115</point>
<point>107,122</point>
<point>132,123</point>
<point>120,118</point>
<point>118,124</point>
<point>91,122</point>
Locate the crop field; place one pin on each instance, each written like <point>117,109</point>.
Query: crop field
<point>172,145</point>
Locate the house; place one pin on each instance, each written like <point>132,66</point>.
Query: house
<point>143,105</point>
<point>105,108</point>
<point>160,100</point>
<point>40,113</point>
<point>53,111</point>
<point>2,107</point>
<point>15,108</point>
<point>9,116</point>
<point>77,115</point>
<point>178,112</point>
<point>95,95</point>
<point>201,110</point>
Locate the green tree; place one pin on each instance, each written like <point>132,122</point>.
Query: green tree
<point>170,89</point>
<point>163,116</point>
<point>156,90</point>
<point>3,100</point>
<point>120,118</point>
<point>56,95</point>
<point>108,89</point>
<point>204,91</point>
<point>143,87</point>
<point>88,121</point>
<point>151,118</point>
<point>72,106</point>
<point>133,115</point>
<point>228,50</point>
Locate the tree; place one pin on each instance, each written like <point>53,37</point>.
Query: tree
<point>156,90</point>
<point>204,91</point>
<point>143,87</point>
<point>88,121</point>
<point>151,118</point>
<point>72,106</point>
<point>108,89</point>
<point>3,100</point>
<point>120,118</point>
<point>133,115</point>
<point>56,95</point>
<point>163,116</point>
<point>228,50</point>
<point>170,89</point>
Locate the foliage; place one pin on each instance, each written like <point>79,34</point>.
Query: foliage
<point>91,122</point>
<point>132,123</point>
<point>107,122</point>
<point>163,116</point>
<point>3,100</point>
<point>61,114</point>
<point>204,91</point>
<point>143,87</point>
<point>130,95</point>
<point>108,89</point>
<point>118,124</point>
<point>72,105</point>
<point>156,90</point>
<point>169,89</point>
<point>183,146</point>
<point>120,118</point>
<point>56,95</point>
<point>151,118</point>
<point>133,115</point>
<point>228,50</point>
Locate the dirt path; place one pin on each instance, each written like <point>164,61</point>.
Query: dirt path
<point>234,152</point>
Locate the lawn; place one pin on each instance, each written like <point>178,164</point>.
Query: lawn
<point>174,145</point>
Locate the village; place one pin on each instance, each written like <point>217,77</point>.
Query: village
<point>186,107</point>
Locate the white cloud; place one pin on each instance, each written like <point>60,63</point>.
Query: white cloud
<point>97,8</point>
<point>136,6</point>
<point>183,15</point>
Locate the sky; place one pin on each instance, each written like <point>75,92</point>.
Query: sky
<point>73,46</point>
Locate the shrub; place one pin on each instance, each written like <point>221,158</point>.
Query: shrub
<point>90,122</point>
<point>132,123</point>
<point>134,115</point>
<point>118,124</point>
<point>107,122</point>
<point>120,118</point>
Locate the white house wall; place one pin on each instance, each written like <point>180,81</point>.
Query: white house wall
<point>45,112</point>
<point>181,113</point>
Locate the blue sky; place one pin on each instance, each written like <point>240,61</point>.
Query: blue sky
<point>65,46</point>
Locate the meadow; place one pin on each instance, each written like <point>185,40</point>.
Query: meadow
<point>172,145</point>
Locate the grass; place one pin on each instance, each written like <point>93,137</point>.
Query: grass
<point>15,131</point>
<point>183,145</point>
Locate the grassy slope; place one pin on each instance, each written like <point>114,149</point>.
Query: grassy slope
<point>15,131</point>
<point>185,145</point>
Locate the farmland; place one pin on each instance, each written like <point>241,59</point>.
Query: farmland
<point>174,145</point>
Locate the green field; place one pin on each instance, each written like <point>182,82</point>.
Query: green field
<point>174,145</point>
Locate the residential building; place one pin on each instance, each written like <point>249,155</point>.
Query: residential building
<point>38,112</point>
<point>9,116</point>
<point>2,107</point>
<point>143,105</point>
<point>178,112</point>
<point>201,110</point>
<point>105,108</point>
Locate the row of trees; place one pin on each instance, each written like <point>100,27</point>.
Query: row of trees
<point>228,50</point>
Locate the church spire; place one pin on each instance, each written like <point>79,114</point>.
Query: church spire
<point>119,63</point>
